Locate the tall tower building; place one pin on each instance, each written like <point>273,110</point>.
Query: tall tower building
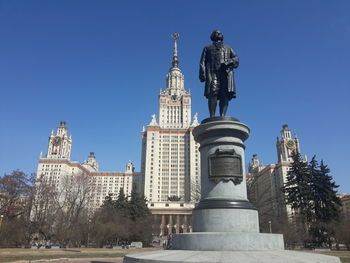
<point>170,156</point>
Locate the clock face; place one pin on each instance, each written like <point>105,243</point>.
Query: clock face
<point>56,140</point>
<point>290,144</point>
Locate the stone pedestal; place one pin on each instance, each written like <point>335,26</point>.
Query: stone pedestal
<point>224,219</point>
<point>225,224</point>
<point>224,205</point>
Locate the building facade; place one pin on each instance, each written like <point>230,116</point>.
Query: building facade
<point>265,182</point>
<point>345,201</point>
<point>55,167</point>
<point>170,160</point>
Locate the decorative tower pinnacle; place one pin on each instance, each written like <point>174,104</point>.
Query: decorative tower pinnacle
<point>175,78</point>
<point>174,101</point>
<point>175,62</point>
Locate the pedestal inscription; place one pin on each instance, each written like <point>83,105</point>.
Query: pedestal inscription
<point>225,165</point>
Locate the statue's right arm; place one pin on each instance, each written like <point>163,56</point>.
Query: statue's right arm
<point>202,75</point>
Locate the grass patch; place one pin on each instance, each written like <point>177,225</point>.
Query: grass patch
<point>11,255</point>
<point>343,255</point>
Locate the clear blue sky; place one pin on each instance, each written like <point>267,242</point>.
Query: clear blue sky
<point>99,66</point>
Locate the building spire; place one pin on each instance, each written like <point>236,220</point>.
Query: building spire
<point>175,37</point>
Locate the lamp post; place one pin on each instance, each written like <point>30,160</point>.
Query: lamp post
<point>270,226</point>
<point>88,235</point>
<point>1,217</point>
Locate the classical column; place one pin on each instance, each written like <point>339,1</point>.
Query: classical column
<point>177,224</point>
<point>185,223</point>
<point>162,225</point>
<point>170,224</point>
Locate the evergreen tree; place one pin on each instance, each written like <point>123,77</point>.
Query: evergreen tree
<point>108,202</point>
<point>311,192</point>
<point>137,205</point>
<point>298,188</point>
<point>326,204</point>
<point>123,220</point>
<point>122,201</point>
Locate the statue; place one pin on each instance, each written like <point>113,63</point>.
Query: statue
<point>216,70</point>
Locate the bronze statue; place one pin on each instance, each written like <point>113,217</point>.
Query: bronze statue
<point>216,70</point>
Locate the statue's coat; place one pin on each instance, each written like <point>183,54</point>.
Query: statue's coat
<point>220,59</point>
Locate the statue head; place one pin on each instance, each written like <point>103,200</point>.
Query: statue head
<point>216,36</point>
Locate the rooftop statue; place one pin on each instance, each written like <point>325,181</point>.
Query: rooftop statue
<point>216,70</point>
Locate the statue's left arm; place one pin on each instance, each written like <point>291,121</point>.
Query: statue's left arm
<point>233,59</point>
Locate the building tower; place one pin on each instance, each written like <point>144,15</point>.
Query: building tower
<point>60,144</point>
<point>91,164</point>
<point>170,156</point>
<point>286,145</point>
<point>53,165</point>
<point>129,167</point>
<point>255,166</point>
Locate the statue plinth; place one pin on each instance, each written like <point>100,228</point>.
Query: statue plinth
<point>224,219</point>
<point>224,206</point>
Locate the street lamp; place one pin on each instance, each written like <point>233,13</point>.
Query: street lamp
<point>1,217</point>
<point>270,226</point>
<point>88,235</point>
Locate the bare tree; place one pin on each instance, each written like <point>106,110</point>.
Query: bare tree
<point>72,217</point>
<point>16,190</point>
<point>342,232</point>
<point>59,210</point>
<point>44,209</point>
<point>15,193</point>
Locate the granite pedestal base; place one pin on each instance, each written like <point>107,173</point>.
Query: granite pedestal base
<point>227,241</point>
<point>225,220</point>
<point>272,256</point>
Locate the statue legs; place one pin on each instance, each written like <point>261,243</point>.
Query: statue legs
<point>223,106</point>
<point>212,101</point>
